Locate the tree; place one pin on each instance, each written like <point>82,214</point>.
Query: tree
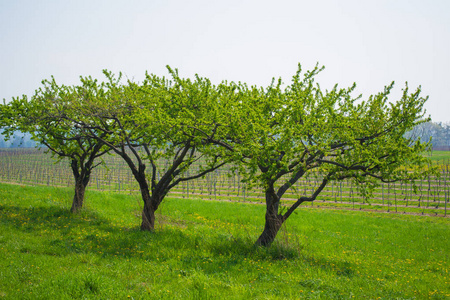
<point>157,128</point>
<point>45,116</point>
<point>281,135</point>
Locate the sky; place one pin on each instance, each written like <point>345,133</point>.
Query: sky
<point>371,42</point>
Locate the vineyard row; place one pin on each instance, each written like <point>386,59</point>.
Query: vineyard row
<point>431,197</point>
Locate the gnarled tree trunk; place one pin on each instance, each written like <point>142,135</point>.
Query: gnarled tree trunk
<point>81,182</point>
<point>78,198</point>
<point>273,219</point>
<point>148,212</point>
<point>151,203</point>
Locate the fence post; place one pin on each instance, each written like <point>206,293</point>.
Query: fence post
<point>445,204</point>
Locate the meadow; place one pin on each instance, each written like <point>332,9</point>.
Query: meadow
<point>439,156</point>
<point>204,250</point>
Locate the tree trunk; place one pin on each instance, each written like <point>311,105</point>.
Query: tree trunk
<point>148,217</point>
<point>78,198</point>
<point>273,219</point>
<point>81,182</point>
<point>150,206</point>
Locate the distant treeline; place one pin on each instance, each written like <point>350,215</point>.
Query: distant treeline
<point>18,140</point>
<point>440,133</point>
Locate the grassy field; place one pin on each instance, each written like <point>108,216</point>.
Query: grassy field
<point>204,250</point>
<point>439,156</point>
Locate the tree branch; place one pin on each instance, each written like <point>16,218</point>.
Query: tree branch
<point>306,199</point>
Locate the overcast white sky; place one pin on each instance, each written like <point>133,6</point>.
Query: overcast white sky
<point>368,42</point>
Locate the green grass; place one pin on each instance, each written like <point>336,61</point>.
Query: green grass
<point>204,250</point>
<point>439,156</point>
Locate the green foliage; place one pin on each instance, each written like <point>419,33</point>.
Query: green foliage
<point>44,116</point>
<point>47,116</point>
<point>154,121</point>
<point>274,136</point>
<point>276,131</point>
<point>303,128</point>
<point>281,135</point>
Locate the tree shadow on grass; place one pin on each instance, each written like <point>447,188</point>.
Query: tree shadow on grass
<point>58,232</point>
<point>62,232</point>
<point>233,251</point>
<point>55,231</point>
